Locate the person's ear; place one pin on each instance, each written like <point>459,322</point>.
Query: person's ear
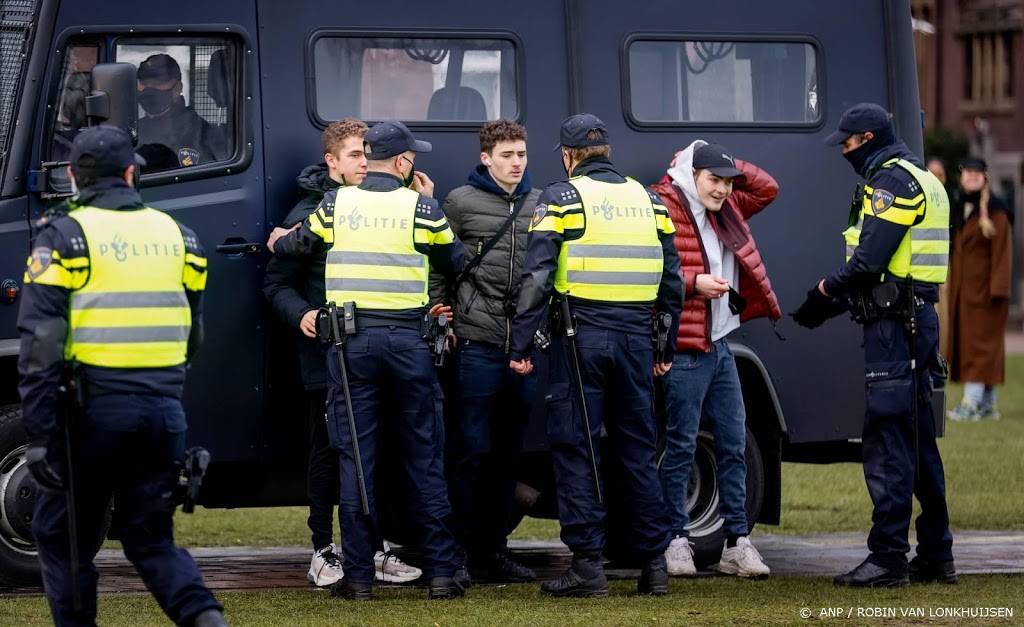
<point>868,136</point>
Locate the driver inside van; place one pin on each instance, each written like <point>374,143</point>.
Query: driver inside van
<point>171,134</point>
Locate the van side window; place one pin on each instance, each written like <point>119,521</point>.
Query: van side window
<point>186,99</point>
<point>70,110</point>
<point>415,80</point>
<point>722,81</point>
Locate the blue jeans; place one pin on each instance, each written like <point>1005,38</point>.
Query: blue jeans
<point>127,446</point>
<point>495,406</point>
<point>706,384</point>
<point>980,394</point>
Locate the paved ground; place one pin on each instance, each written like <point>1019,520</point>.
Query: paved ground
<point>285,567</point>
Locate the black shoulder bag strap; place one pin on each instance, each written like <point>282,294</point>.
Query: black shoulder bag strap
<point>489,245</point>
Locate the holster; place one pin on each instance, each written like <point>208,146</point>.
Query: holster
<point>346,322</point>
<point>885,300</point>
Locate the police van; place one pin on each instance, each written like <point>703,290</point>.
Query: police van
<point>766,79</point>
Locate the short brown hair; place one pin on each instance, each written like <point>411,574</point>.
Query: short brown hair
<point>586,152</point>
<point>499,131</point>
<point>339,131</point>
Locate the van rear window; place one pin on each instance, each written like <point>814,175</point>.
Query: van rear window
<point>451,79</point>
<point>679,80</point>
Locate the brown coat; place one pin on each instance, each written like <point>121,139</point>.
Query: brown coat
<point>979,299</point>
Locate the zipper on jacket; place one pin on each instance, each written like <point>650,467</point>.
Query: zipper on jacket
<point>511,272</point>
<point>707,270</point>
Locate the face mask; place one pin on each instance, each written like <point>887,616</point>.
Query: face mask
<point>74,188</point>
<point>412,171</point>
<point>153,100</point>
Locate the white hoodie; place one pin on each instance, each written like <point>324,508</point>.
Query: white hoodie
<point>721,262</point>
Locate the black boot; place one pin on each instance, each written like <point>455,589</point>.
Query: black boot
<point>926,571</point>
<point>444,588</point>
<point>654,577</point>
<point>870,575</point>
<point>462,569</point>
<point>352,590</point>
<point>502,568</point>
<point>584,578</point>
<point>210,618</point>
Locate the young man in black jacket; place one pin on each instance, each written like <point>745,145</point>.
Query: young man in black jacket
<point>295,288</point>
<point>491,215</point>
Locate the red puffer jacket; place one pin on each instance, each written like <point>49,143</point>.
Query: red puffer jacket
<point>749,196</point>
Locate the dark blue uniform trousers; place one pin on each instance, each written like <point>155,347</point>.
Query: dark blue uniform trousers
<point>394,365</point>
<point>618,384</point>
<point>888,444</point>
<point>129,447</point>
<point>493,411</point>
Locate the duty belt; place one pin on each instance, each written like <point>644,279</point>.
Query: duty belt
<point>885,300</point>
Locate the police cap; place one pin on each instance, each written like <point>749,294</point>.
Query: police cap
<point>973,163</point>
<point>859,118</point>
<point>101,151</point>
<point>391,138</point>
<point>159,68</point>
<point>716,158</point>
<point>574,131</point>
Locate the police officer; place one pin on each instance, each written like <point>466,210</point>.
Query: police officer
<point>605,242</point>
<point>897,254</point>
<point>382,238</point>
<point>112,291</point>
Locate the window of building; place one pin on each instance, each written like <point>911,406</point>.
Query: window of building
<point>988,75</point>
<point>415,79</point>
<point>714,82</point>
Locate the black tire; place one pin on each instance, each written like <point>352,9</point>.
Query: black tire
<point>19,563</point>
<point>706,530</point>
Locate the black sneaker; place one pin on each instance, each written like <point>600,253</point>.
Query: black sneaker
<point>927,571</point>
<point>352,590</point>
<point>502,568</point>
<point>869,575</point>
<point>584,578</point>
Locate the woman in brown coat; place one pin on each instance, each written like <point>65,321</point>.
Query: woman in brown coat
<point>979,292</point>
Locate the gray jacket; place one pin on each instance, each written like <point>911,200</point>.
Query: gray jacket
<point>476,212</point>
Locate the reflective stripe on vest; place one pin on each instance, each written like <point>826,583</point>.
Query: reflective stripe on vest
<point>924,251</point>
<point>619,258</point>
<point>374,260</point>
<point>113,323</point>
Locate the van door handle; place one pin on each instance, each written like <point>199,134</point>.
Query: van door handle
<point>237,246</point>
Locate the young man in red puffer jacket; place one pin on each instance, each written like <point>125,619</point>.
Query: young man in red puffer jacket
<point>710,196</point>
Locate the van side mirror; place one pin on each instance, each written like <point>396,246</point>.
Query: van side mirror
<point>114,98</point>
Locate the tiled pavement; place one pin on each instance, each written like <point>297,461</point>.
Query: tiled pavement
<point>240,568</point>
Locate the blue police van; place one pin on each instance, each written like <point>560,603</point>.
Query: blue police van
<point>765,79</point>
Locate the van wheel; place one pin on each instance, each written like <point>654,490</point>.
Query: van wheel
<point>706,524</point>
<point>19,565</point>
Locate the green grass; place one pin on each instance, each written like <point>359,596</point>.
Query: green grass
<point>706,601</point>
<point>984,464</point>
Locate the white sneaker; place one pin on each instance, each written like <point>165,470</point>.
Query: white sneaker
<point>742,560</point>
<point>391,569</point>
<point>325,568</point>
<point>679,558</point>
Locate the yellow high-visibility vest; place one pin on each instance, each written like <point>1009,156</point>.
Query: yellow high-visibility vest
<point>924,252</point>
<point>619,258</point>
<point>132,311</point>
<point>373,258</point>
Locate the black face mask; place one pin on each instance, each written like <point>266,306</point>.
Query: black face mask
<point>153,100</point>
<point>412,171</point>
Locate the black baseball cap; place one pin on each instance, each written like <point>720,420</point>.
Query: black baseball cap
<point>159,67</point>
<point>574,131</point>
<point>107,150</point>
<point>860,118</point>
<point>973,163</point>
<point>391,138</point>
<point>716,158</point>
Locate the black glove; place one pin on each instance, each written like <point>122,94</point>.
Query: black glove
<point>817,309</point>
<point>41,470</point>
